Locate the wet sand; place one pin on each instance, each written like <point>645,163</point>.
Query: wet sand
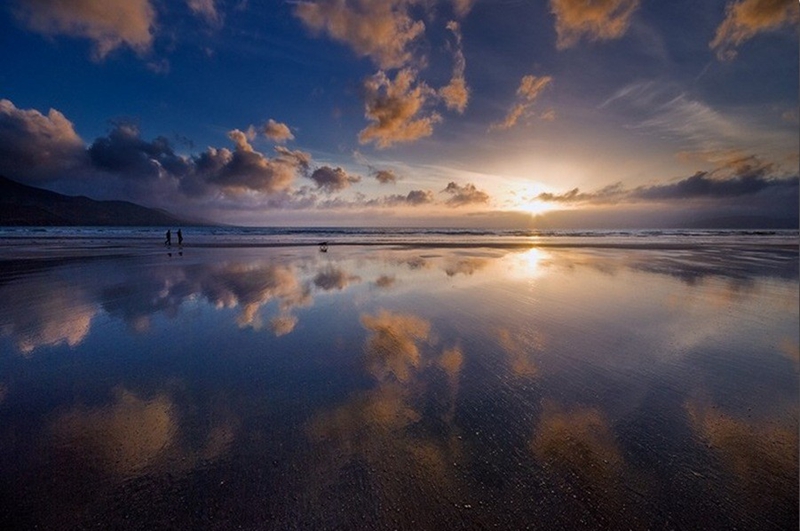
<point>394,386</point>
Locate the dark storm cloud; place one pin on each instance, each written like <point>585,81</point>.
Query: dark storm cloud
<point>125,153</point>
<point>35,147</point>
<point>333,179</point>
<point>467,194</point>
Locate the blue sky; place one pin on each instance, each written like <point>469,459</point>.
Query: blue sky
<point>506,113</point>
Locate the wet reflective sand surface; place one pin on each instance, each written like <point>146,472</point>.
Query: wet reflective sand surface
<point>383,388</point>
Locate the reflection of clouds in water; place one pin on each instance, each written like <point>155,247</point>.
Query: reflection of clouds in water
<point>283,324</point>
<point>520,348</point>
<point>392,347</point>
<point>133,435</point>
<point>331,278</point>
<point>124,437</point>
<point>762,455</point>
<point>465,266</point>
<point>385,281</point>
<point>791,349</point>
<point>580,443</point>
<point>252,287</point>
<point>38,315</point>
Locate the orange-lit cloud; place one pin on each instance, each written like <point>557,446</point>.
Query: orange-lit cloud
<point>109,24</point>
<point>396,108</point>
<point>277,132</point>
<point>530,88</point>
<point>245,169</point>
<point>594,20</point>
<point>747,18</point>
<point>379,29</point>
<point>35,146</point>
<point>392,346</point>
<point>462,7</point>
<point>456,94</point>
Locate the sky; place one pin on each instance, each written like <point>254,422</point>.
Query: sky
<point>459,113</point>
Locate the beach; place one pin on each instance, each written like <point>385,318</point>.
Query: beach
<point>400,380</point>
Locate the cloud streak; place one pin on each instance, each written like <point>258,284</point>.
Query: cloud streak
<point>530,88</point>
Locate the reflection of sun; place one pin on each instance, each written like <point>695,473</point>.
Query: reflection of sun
<point>530,261</point>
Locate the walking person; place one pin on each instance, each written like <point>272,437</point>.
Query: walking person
<point>168,241</point>
<point>180,237</point>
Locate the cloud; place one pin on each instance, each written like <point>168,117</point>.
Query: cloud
<point>385,176</point>
<point>333,179</point>
<point>396,109</point>
<point>392,348</point>
<point>35,147</point>
<point>379,29</point>
<point>245,169</point>
<point>456,94</point>
<point>206,9</point>
<point>277,132</point>
<point>594,20</point>
<point>109,24</point>
<point>413,198</point>
<point>124,152</point>
<point>462,7</point>
<point>530,87</point>
<point>467,194</point>
<point>744,177</point>
<point>747,18</point>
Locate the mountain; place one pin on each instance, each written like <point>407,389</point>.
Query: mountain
<point>26,205</point>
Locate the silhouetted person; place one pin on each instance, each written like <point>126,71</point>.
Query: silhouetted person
<point>168,241</point>
<point>180,237</point>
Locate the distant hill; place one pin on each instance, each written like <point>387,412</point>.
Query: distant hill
<point>26,205</point>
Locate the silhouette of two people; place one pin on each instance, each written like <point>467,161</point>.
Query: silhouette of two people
<point>168,240</point>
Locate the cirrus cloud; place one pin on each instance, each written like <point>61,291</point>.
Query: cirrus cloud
<point>530,87</point>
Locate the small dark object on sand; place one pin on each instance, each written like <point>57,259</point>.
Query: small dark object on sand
<point>323,247</point>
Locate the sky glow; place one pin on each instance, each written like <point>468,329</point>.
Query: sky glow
<point>496,113</point>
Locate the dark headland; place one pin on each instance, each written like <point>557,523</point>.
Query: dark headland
<point>23,205</point>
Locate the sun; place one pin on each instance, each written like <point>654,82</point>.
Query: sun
<point>534,207</point>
